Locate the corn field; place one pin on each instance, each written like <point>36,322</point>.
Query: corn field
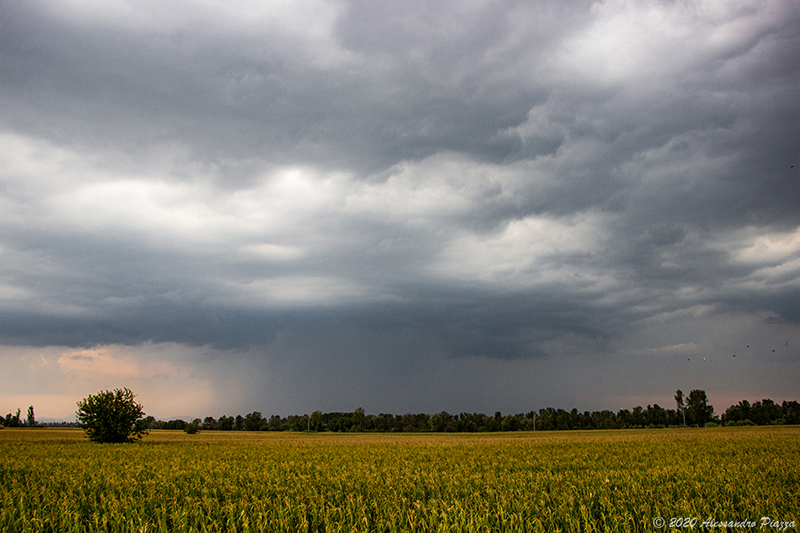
<point>55,480</point>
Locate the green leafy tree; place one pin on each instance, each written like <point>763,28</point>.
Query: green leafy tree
<point>193,427</point>
<point>791,412</point>
<point>655,415</point>
<point>112,416</point>
<point>358,416</point>
<point>439,421</point>
<point>316,421</point>
<point>276,423</point>
<point>12,421</point>
<point>225,423</point>
<point>252,422</point>
<point>766,412</point>
<point>31,417</point>
<point>737,413</point>
<point>697,404</point>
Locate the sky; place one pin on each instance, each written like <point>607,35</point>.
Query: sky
<point>231,206</point>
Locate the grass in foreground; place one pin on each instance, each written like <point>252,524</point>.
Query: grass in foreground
<point>55,480</point>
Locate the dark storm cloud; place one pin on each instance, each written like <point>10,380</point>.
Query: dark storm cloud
<point>229,94</point>
<point>407,181</point>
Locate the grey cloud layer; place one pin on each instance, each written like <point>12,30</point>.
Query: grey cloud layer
<point>261,93</point>
<point>493,178</point>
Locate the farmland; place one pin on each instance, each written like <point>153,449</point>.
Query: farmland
<point>55,480</point>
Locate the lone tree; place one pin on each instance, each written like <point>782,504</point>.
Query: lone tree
<point>112,417</point>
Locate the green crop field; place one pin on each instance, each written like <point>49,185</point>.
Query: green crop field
<point>55,480</point>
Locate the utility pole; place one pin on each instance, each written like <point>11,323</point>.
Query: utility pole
<point>681,403</point>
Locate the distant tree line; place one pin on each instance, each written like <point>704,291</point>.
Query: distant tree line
<point>762,413</point>
<point>14,421</point>
<point>693,410</point>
